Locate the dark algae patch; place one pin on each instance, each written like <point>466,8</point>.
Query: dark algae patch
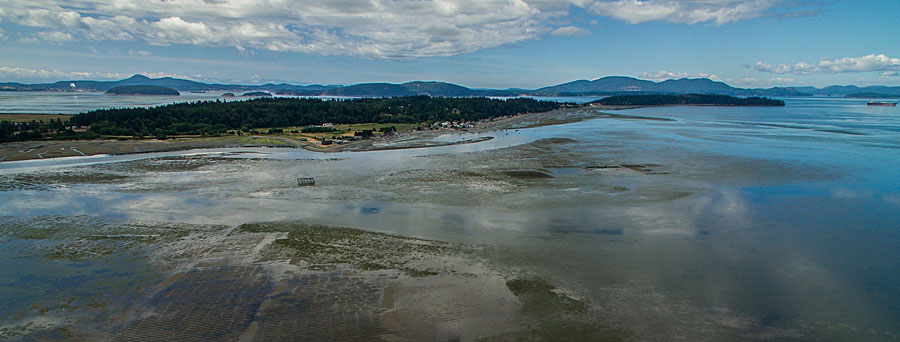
<point>539,298</point>
<point>650,169</point>
<point>235,283</point>
<point>83,238</point>
<point>526,174</point>
<point>43,180</point>
<point>565,331</point>
<point>325,248</point>
<point>558,316</point>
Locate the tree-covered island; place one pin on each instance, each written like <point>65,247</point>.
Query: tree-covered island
<point>287,115</point>
<point>688,100</point>
<point>219,117</point>
<point>142,90</point>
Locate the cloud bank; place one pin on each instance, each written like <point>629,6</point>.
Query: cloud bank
<point>7,71</point>
<point>368,28</point>
<point>663,75</point>
<point>29,73</point>
<point>687,11</point>
<point>880,62</point>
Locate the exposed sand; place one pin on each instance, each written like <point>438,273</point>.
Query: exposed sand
<point>26,150</point>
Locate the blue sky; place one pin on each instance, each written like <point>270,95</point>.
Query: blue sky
<point>476,43</point>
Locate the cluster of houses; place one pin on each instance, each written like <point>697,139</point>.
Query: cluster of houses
<point>434,126</point>
<point>466,124</point>
<point>452,124</point>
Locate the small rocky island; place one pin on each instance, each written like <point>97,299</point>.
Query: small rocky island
<point>257,94</point>
<point>142,90</point>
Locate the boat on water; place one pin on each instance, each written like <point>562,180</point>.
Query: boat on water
<point>882,103</point>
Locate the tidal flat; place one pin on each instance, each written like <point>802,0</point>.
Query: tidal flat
<point>707,224</point>
<point>125,280</point>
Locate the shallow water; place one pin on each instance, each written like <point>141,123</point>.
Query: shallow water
<point>718,224</point>
<point>72,103</point>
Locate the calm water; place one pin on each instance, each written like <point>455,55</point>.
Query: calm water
<point>72,103</point>
<point>752,223</point>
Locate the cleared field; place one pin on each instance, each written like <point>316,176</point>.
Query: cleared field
<point>32,117</point>
<point>340,130</point>
<point>348,130</point>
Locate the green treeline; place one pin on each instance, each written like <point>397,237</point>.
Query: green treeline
<point>210,117</point>
<point>708,100</point>
<point>54,129</point>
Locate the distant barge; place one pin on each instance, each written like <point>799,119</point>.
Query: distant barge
<point>879,103</point>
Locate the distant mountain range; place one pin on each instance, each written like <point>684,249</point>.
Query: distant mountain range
<point>612,85</point>
<point>169,82</point>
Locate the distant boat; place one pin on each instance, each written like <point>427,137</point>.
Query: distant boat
<point>198,91</point>
<point>881,103</point>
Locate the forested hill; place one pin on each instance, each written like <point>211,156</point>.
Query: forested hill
<point>217,116</point>
<point>612,85</point>
<point>687,100</point>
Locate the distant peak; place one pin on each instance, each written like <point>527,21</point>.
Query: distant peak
<point>139,77</point>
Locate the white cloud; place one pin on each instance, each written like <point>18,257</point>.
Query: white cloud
<point>153,74</point>
<point>781,80</point>
<point>746,82</point>
<point>753,82</point>
<point>375,28</point>
<point>370,28</point>
<point>54,74</point>
<point>569,31</point>
<point>139,53</point>
<point>53,17</point>
<point>686,11</point>
<point>54,36</point>
<point>663,75</point>
<point>112,28</point>
<point>174,30</point>
<point>872,62</point>
<point>17,72</point>
<point>890,74</point>
<point>865,63</point>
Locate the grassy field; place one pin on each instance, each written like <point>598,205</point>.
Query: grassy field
<point>32,117</point>
<point>339,130</point>
<point>315,138</point>
<point>261,136</point>
<point>260,141</point>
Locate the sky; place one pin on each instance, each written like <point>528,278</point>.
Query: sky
<point>476,43</point>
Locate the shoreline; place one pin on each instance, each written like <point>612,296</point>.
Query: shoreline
<point>49,149</point>
<point>612,107</point>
